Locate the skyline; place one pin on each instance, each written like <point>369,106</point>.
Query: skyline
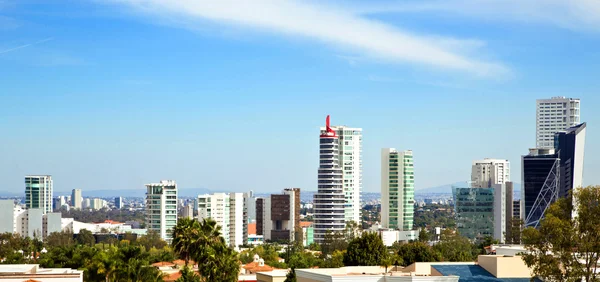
<point>118,94</point>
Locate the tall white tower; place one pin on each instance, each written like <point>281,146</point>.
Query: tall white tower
<point>350,161</point>
<point>554,115</point>
<point>330,199</point>
<point>487,172</point>
<point>397,189</point>
<point>228,211</point>
<point>161,208</point>
<point>38,192</point>
<point>76,199</point>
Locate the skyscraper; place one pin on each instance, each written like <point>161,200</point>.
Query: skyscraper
<point>350,161</point>
<point>397,189</point>
<point>38,192</point>
<point>280,216</point>
<point>554,115</point>
<point>330,200</point>
<point>76,198</point>
<point>487,172</point>
<point>161,207</point>
<point>569,144</point>
<point>541,169</point>
<point>119,202</point>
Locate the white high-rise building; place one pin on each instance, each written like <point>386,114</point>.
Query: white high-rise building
<point>33,222</point>
<point>487,172</point>
<point>397,189</point>
<point>38,192</point>
<point>76,198</point>
<point>554,115</point>
<point>330,199</point>
<point>188,211</point>
<point>161,207</point>
<point>350,161</point>
<point>227,209</point>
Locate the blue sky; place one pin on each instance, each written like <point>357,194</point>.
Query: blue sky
<point>229,95</point>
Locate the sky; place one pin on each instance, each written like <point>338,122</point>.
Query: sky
<point>229,95</point>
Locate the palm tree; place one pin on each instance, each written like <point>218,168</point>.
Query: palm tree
<point>185,234</point>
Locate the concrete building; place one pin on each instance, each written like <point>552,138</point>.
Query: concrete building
<point>76,199</point>
<point>554,115</point>
<point>86,203</point>
<point>503,209</point>
<point>38,192</point>
<point>397,189</point>
<point>58,203</point>
<point>33,272</point>
<point>227,209</point>
<point>33,223</point>
<point>487,172</point>
<point>97,204</point>
<point>161,207</point>
<point>280,216</point>
<point>330,199</point>
<point>250,200</point>
<point>119,203</point>
<point>349,154</point>
<point>474,209</point>
<point>188,212</point>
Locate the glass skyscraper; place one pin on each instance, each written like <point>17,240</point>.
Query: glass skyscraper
<point>38,192</point>
<point>474,208</point>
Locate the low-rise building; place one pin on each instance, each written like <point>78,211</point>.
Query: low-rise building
<point>33,272</point>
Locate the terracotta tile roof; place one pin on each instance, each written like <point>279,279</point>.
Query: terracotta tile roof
<point>174,276</point>
<point>181,262</point>
<point>305,223</point>
<point>253,267</point>
<point>31,280</point>
<point>163,263</point>
<point>252,228</point>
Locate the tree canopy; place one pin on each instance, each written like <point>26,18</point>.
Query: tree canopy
<point>366,250</point>
<point>566,246</point>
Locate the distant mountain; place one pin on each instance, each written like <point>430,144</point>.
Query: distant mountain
<point>7,194</point>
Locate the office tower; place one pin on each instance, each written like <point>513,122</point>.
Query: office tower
<point>188,212</point>
<point>330,199</point>
<point>397,189</point>
<point>349,156</point>
<point>161,208</point>
<point>227,210</point>
<point>552,116</point>
<point>474,208</point>
<point>76,199</point>
<point>516,209</point>
<point>570,145</point>
<point>503,209</point>
<point>486,172</point>
<point>86,203</point>
<point>58,203</point>
<point>119,203</point>
<point>541,169</point>
<point>278,216</point>
<point>250,206</point>
<point>38,192</point>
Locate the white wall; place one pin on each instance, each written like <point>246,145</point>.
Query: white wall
<point>499,211</point>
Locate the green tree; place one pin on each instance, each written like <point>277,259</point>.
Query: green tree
<point>566,245</point>
<point>351,231</point>
<point>219,264</point>
<point>151,240</point>
<point>290,276</point>
<point>417,252</point>
<point>85,237</point>
<point>513,236</point>
<point>453,247</point>
<point>188,275</point>
<point>423,235</point>
<point>336,260</point>
<point>185,235</point>
<point>366,250</point>
<point>333,242</point>
<point>59,239</point>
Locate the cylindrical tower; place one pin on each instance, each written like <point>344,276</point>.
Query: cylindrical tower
<point>329,200</point>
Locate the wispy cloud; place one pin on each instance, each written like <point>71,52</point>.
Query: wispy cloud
<point>25,46</point>
<point>332,25</point>
<point>571,14</point>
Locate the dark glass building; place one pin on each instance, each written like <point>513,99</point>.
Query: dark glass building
<point>536,168</point>
<point>570,147</point>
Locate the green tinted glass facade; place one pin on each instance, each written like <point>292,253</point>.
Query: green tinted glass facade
<point>474,209</point>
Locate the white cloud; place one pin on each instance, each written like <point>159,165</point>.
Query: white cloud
<point>338,27</point>
<point>570,14</point>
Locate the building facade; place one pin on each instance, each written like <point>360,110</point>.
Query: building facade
<point>554,115</point>
<point>503,209</point>
<point>227,210</point>
<point>161,208</point>
<point>474,208</point>
<point>487,172</point>
<point>330,201</point>
<point>279,219</point>
<point>58,203</point>
<point>32,223</point>
<point>569,145</point>
<point>539,169</point>
<point>38,192</point>
<point>76,199</point>
<point>119,203</point>
<point>397,189</point>
<point>349,155</point>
